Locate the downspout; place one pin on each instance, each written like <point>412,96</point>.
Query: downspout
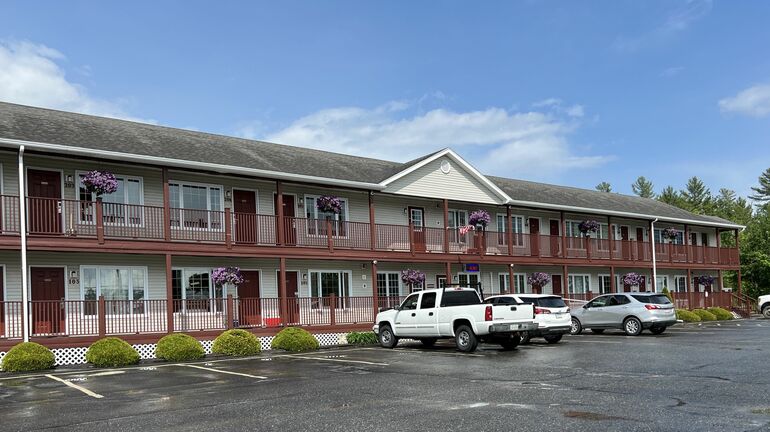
<point>654,263</point>
<point>23,234</point>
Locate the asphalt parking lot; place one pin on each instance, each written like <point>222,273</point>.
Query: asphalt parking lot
<point>696,379</point>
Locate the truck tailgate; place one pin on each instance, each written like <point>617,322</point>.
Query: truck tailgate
<point>517,312</point>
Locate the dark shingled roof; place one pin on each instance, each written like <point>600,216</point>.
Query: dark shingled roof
<point>99,133</point>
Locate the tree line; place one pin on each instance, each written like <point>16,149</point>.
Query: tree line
<point>752,211</point>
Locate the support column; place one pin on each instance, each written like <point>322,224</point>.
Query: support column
<point>446,225</point>
<point>565,280</point>
<point>166,206</point>
<point>509,230</point>
<point>282,290</point>
<point>448,272</point>
<point>687,244</point>
<point>563,237</point>
<point>738,250</point>
<point>372,226</point>
<point>375,290</point>
<point>510,279</point>
<point>610,235</point>
<point>25,288</point>
<point>169,296</point>
<point>740,291</point>
<point>613,288</point>
<point>279,213</point>
<point>719,279</point>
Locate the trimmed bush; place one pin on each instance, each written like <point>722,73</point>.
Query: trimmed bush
<point>294,339</point>
<point>704,315</point>
<point>667,293</point>
<point>687,316</point>
<point>362,338</point>
<point>28,356</point>
<point>111,352</point>
<point>179,347</point>
<point>721,314</point>
<point>236,343</point>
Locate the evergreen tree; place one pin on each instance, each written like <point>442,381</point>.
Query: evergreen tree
<point>643,188</point>
<point>696,196</point>
<point>762,192</point>
<point>604,187</point>
<point>670,196</point>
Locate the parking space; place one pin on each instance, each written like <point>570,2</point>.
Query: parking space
<point>703,378</point>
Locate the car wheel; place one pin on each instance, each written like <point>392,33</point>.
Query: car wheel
<point>387,338</point>
<point>632,326</point>
<point>575,328</point>
<point>525,337</point>
<point>598,331</point>
<point>511,342</point>
<point>766,311</point>
<point>657,330</point>
<point>552,339</point>
<point>428,342</point>
<point>465,339</point>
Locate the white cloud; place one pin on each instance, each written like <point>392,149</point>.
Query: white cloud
<point>498,141</point>
<point>753,101</point>
<point>675,21</point>
<point>31,74</point>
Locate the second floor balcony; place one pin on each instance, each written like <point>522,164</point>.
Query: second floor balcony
<point>107,221</point>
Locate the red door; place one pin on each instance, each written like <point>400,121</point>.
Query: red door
<point>640,245</point>
<point>625,245</point>
<point>289,226</point>
<point>245,217</point>
<point>417,221</point>
<point>292,292</point>
<point>556,284</point>
<point>555,243</point>
<point>44,190</point>
<point>47,300</point>
<point>534,235</point>
<point>249,308</point>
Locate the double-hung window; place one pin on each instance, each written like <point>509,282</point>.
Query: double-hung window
<point>517,223</point>
<point>388,288</point>
<point>324,283</point>
<point>457,219</point>
<point>122,207</point>
<point>316,218</point>
<point>680,283</point>
<point>660,283</point>
<point>605,286</point>
<point>579,284</point>
<point>196,206</point>
<point>519,283</point>
<point>194,286</point>
<point>123,288</point>
<point>678,240</point>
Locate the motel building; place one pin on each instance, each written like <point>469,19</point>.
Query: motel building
<point>137,263</point>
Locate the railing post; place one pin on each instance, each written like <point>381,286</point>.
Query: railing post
<point>102,311</point>
<point>411,238</point>
<point>332,309</point>
<point>375,291</point>
<point>228,228</point>
<point>329,239</point>
<point>230,312</point>
<point>99,221</point>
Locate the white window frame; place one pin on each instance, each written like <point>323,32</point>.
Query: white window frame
<point>458,274</point>
<point>336,217</point>
<point>388,274</point>
<point>680,238</point>
<point>98,269</point>
<point>676,283</point>
<point>609,288</point>
<point>659,288</point>
<point>457,238</point>
<point>125,178</point>
<point>208,209</point>
<point>570,283</point>
<point>339,288</point>
<point>504,277</point>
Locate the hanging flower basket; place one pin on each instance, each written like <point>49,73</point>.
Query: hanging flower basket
<point>227,276</point>
<point>329,204</point>
<point>705,280</point>
<point>100,182</point>
<point>412,277</point>
<point>588,226</point>
<point>670,233</point>
<point>479,217</point>
<point>632,279</point>
<point>539,279</point>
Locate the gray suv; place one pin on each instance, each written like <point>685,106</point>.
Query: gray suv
<point>630,312</point>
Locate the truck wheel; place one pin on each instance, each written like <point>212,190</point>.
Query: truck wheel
<point>766,311</point>
<point>575,328</point>
<point>511,342</point>
<point>632,326</point>
<point>428,342</point>
<point>525,337</point>
<point>387,338</point>
<point>552,339</point>
<point>465,339</point>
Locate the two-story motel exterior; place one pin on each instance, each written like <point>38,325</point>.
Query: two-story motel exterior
<point>137,263</point>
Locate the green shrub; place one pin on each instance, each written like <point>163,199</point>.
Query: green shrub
<point>362,338</point>
<point>704,315</point>
<point>294,339</point>
<point>28,356</point>
<point>111,352</point>
<point>687,316</point>
<point>236,343</point>
<point>179,347</point>
<point>667,293</point>
<point>721,314</point>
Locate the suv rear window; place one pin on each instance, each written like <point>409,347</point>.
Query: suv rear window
<point>652,299</point>
<point>549,302</point>
<point>459,298</point>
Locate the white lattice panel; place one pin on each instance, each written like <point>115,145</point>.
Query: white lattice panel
<point>70,356</point>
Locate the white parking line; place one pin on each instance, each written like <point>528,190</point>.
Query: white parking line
<point>332,359</point>
<point>76,387</point>
<point>224,371</point>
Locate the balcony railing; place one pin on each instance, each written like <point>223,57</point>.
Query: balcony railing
<point>101,220</point>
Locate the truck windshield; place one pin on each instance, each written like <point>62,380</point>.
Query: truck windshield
<point>459,298</point>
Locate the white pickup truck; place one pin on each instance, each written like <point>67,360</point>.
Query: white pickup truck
<point>454,313</point>
<point>763,302</point>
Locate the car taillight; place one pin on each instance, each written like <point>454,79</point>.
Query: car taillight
<point>488,314</point>
<point>652,307</point>
<point>539,311</point>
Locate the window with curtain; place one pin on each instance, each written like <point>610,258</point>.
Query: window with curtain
<point>194,286</point>
<point>122,207</point>
<point>605,286</point>
<point>579,284</point>
<point>326,283</point>
<point>680,283</point>
<point>659,237</point>
<point>123,288</point>
<point>196,206</point>
<point>517,223</point>
<point>316,219</point>
<point>457,218</point>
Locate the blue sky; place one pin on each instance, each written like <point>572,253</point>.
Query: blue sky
<point>567,92</point>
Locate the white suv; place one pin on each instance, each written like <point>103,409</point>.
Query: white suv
<point>764,305</point>
<point>551,314</point>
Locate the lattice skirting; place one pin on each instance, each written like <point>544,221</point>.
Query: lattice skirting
<point>73,356</point>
